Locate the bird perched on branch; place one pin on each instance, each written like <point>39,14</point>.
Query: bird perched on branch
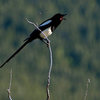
<point>44,30</point>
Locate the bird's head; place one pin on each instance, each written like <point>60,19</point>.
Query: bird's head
<point>59,17</point>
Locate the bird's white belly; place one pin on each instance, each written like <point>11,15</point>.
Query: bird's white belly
<point>47,32</point>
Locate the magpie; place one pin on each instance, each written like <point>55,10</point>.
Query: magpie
<point>46,27</point>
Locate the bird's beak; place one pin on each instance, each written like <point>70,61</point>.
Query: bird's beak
<point>63,16</point>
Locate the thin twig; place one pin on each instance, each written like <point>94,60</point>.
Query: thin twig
<point>9,89</point>
<point>50,52</point>
<point>87,86</point>
<point>49,74</point>
<point>38,29</point>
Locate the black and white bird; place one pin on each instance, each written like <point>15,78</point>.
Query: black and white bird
<point>47,27</point>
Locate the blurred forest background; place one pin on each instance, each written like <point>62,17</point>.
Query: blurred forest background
<point>75,46</point>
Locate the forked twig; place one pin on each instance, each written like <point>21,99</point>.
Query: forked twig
<point>87,86</point>
<point>9,89</point>
<point>50,52</point>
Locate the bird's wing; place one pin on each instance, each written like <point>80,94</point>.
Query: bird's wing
<point>47,22</point>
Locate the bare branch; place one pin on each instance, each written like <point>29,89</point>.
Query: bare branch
<point>38,29</point>
<point>50,52</point>
<point>9,89</point>
<point>49,73</point>
<point>87,86</point>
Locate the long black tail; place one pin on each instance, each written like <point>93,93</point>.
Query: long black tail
<point>14,54</point>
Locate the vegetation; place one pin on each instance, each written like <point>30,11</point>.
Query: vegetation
<point>75,45</point>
